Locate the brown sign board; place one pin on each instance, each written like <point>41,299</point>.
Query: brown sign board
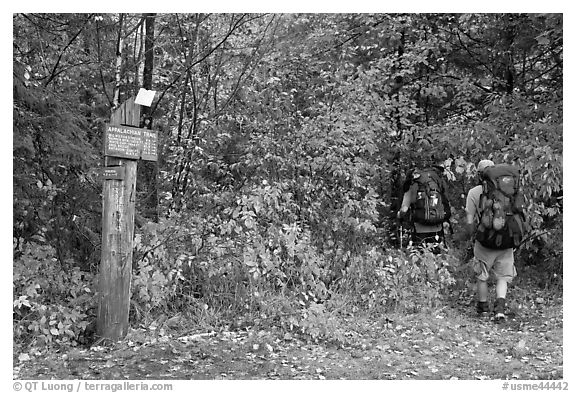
<point>110,173</point>
<point>131,142</point>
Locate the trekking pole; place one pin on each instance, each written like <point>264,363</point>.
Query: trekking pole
<point>533,236</point>
<point>444,241</point>
<point>445,234</point>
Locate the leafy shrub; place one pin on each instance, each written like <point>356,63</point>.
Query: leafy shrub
<point>316,322</point>
<point>158,274</point>
<point>180,265</point>
<point>398,280</point>
<point>52,302</point>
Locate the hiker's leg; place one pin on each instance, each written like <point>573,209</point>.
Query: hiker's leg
<point>431,240</point>
<point>482,263</point>
<point>418,239</point>
<point>482,307</point>
<point>505,271</point>
<point>501,287</point>
<point>482,289</point>
<point>481,279</point>
<point>436,240</point>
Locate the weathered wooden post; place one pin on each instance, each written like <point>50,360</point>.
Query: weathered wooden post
<point>124,144</point>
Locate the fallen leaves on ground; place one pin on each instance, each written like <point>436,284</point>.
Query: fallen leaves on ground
<point>451,343</point>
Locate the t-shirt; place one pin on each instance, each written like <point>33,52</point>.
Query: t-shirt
<point>473,202</point>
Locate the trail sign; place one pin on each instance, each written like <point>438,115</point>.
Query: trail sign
<point>110,173</point>
<point>144,97</point>
<point>131,142</point>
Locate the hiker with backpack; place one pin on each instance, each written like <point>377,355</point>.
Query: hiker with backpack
<point>494,213</point>
<point>425,205</point>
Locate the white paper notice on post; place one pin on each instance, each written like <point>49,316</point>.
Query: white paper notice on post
<point>145,97</point>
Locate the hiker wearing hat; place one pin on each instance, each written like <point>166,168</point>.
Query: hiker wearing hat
<point>495,236</point>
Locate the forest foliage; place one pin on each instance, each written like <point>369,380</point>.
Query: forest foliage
<point>284,139</point>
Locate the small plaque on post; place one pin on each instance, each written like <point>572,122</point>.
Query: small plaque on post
<point>131,142</point>
<point>110,173</point>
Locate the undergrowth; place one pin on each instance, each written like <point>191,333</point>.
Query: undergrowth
<point>54,303</point>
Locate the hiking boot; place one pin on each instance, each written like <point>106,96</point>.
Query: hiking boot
<point>499,306</point>
<point>482,309</point>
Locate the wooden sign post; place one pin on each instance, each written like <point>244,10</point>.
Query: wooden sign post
<point>124,144</point>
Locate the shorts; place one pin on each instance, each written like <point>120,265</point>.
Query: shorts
<point>501,262</point>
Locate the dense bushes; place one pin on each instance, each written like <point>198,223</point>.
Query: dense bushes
<point>281,282</point>
<point>53,302</point>
<point>282,279</point>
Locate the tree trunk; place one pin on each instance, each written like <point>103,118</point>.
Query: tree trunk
<point>149,169</point>
<point>119,44</point>
<point>148,63</point>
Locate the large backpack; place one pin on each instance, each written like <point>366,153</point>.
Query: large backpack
<point>501,220</point>
<point>427,199</point>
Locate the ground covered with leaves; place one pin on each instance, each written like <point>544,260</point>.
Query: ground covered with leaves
<point>446,343</point>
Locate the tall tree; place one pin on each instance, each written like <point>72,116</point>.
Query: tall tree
<point>149,170</point>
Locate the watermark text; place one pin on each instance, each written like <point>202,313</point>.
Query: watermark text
<point>90,386</point>
<point>548,385</point>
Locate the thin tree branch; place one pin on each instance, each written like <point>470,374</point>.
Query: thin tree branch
<point>53,73</point>
<point>205,56</point>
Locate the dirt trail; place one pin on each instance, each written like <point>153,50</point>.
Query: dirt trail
<point>451,343</point>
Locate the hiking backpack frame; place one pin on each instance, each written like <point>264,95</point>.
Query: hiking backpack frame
<point>501,217</point>
<point>427,198</point>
